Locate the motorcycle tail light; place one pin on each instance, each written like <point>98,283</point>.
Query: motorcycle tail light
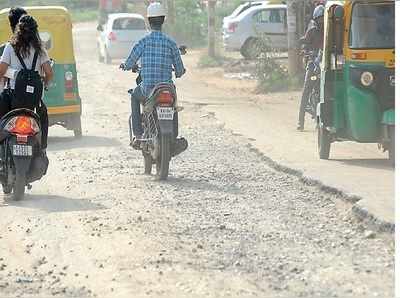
<point>112,36</point>
<point>232,27</point>
<point>165,98</point>
<point>22,125</point>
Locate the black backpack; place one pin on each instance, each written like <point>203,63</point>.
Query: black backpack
<point>28,86</point>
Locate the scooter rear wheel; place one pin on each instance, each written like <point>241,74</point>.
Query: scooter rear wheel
<point>19,187</point>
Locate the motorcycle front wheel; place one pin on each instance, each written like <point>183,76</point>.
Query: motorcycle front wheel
<point>165,156</point>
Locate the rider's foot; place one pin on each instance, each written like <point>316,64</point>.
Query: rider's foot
<point>43,152</point>
<point>300,127</point>
<point>136,142</point>
<point>181,144</point>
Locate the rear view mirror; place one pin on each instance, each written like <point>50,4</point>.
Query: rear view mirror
<point>100,28</point>
<point>338,28</point>
<point>338,12</point>
<point>183,50</point>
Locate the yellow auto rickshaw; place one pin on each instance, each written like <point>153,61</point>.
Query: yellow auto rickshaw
<point>62,99</point>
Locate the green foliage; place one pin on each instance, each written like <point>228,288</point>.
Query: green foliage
<point>70,4</point>
<point>272,76</point>
<point>84,15</point>
<point>190,23</point>
<point>206,61</point>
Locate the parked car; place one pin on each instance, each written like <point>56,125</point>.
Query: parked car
<point>241,8</point>
<point>242,32</point>
<point>119,34</point>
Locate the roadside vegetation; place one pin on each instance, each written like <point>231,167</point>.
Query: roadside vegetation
<point>88,15</point>
<point>271,74</point>
<point>207,61</point>
<point>81,11</point>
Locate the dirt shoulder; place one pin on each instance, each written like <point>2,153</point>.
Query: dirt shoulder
<point>360,171</point>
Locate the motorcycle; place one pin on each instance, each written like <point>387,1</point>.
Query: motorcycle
<point>21,158</point>
<point>160,140</point>
<point>314,75</point>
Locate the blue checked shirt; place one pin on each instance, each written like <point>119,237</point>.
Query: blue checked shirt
<point>157,54</point>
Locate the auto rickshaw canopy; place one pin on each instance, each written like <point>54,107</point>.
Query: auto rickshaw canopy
<point>55,28</point>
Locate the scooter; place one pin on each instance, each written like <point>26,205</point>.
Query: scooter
<point>22,160</point>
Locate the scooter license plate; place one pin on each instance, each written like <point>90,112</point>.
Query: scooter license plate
<point>22,150</point>
<point>165,113</point>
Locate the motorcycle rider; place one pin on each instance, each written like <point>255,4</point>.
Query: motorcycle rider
<point>157,54</point>
<point>313,40</point>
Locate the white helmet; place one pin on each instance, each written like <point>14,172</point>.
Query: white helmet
<point>155,9</point>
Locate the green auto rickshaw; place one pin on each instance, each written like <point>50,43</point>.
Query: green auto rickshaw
<point>358,76</point>
<point>55,28</point>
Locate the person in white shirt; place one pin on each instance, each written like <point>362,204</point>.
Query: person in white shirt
<point>25,41</point>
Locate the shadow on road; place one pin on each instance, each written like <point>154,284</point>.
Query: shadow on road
<point>65,143</point>
<point>382,164</point>
<point>53,203</point>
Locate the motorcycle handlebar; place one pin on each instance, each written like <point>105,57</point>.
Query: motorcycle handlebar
<point>135,69</point>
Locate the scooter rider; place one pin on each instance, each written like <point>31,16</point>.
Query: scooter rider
<point>313,40</point>
<point>157,54</point>
<point>14,16</point>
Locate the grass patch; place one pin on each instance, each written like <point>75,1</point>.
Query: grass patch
<point>85,15</point>
<point>272,75</point>
<point>206,61</point>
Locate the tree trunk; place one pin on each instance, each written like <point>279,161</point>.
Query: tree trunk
<point>211,28</point>
<point>293,65</point>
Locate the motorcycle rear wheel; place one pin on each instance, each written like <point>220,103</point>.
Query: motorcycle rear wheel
<point>165,157</point>
<point>148,163</point>
<point>19,187</point>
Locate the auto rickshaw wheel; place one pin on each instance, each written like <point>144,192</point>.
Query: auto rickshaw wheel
<point>324,143</point>
<point>78,129</point>
<point>392,146</point>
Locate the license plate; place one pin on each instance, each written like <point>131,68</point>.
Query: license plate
<point>165,113</point>
<point>22,150</point>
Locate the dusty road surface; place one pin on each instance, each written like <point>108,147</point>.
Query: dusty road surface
<point>224,224</point>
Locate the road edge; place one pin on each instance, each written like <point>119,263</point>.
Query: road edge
<point>358,211</point>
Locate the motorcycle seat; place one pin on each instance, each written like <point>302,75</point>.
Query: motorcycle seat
<point>162,86</point>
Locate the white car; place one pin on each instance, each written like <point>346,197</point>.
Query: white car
<point>262,21</point>
<point>119,34</point>
<point>241,8</point>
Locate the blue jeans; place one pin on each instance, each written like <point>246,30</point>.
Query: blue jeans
<point>136,99</point>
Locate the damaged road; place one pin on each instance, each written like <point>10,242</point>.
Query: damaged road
<point>224,225</point>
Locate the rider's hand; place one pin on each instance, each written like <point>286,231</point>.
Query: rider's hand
<point>135,68</point>
<point>122,66</point>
